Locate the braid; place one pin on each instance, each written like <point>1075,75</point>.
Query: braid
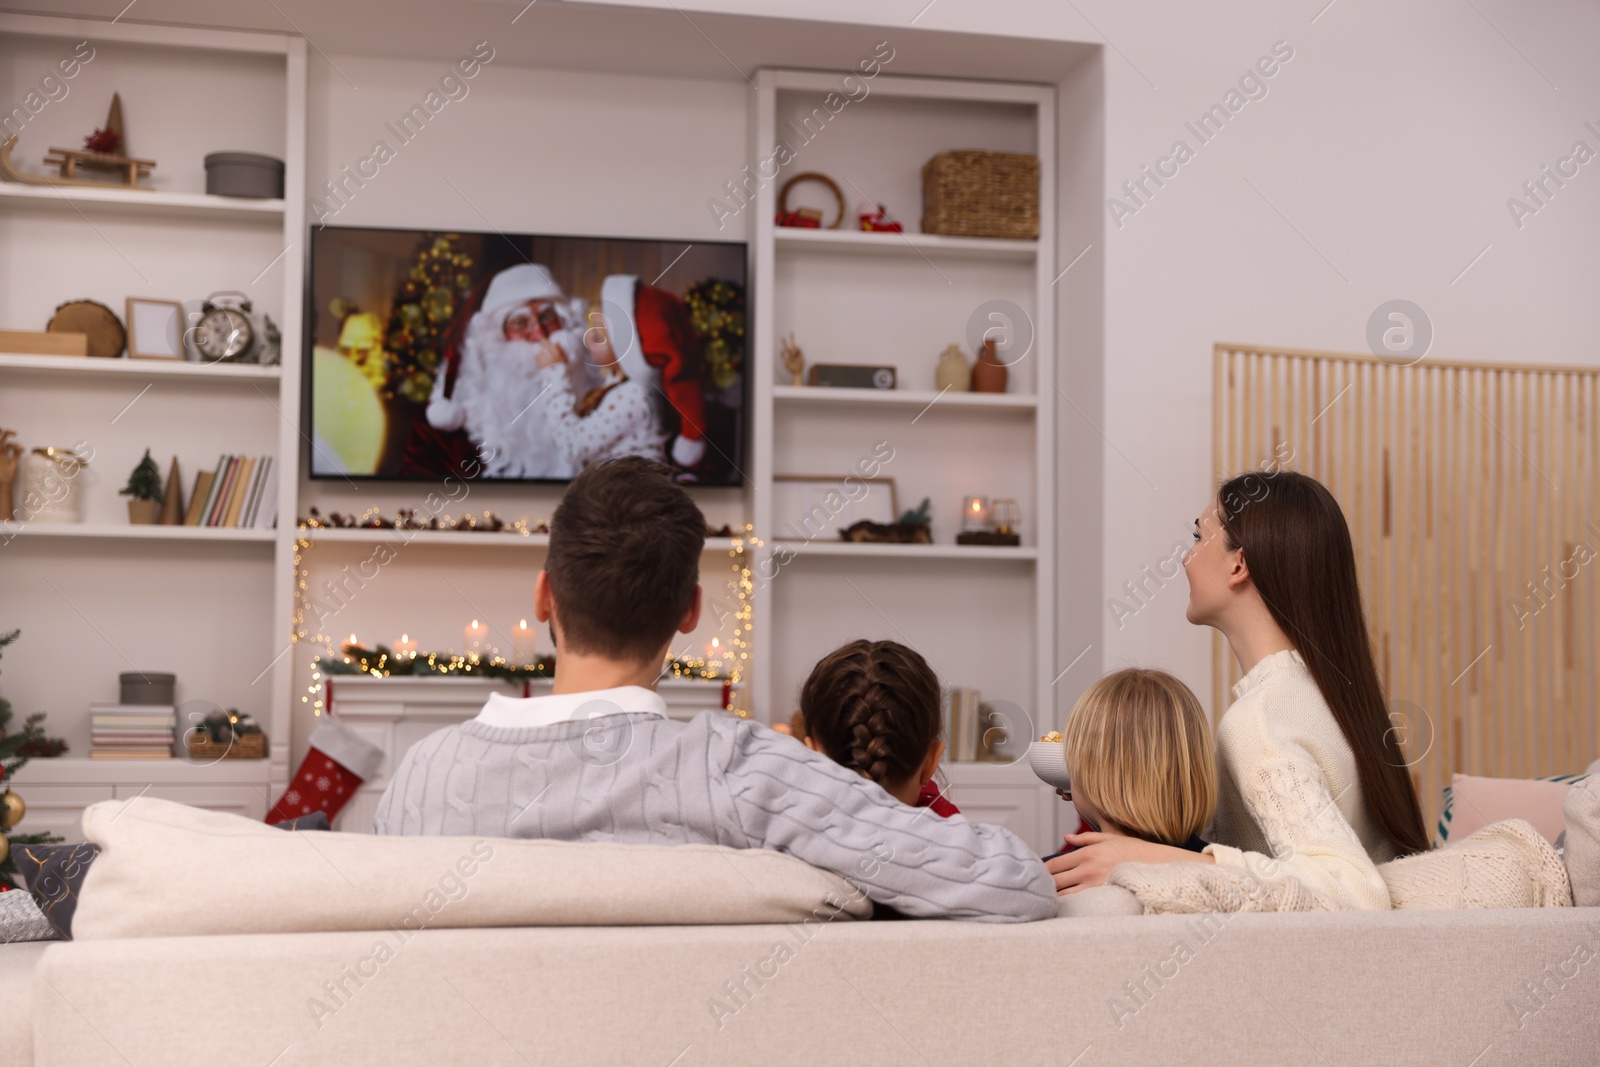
<point>873,706</point>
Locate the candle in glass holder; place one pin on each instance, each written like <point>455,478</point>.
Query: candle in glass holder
<point>474,639</point>
<point>1006,516</point>
<point>975,513</point>
<point>405,648</point>
<point>524,643</point>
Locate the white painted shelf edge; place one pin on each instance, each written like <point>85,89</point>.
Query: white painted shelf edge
<point>150,200</point>
<point>867,550</point>
<point>928,398</point>
<point>861,242</point>
<point>137,533</point>
<point>369,536</point>
<point>142,368</point>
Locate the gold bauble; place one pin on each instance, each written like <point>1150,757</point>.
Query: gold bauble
<point>5,848</point>
<point>12,809</point>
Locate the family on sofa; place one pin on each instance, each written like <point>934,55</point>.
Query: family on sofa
<point>1301,802</point>
<point>1302,797</point>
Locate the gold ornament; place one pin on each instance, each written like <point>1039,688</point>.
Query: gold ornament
<point>5,848</point>
<point>12,809</point>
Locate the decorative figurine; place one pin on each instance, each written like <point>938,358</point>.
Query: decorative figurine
<point>794,360</point>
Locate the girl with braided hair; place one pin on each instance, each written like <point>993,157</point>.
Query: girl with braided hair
<point>873,706</point>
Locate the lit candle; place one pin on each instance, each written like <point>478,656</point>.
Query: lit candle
<point>405,648</point>
<point>525,643</point>
<point>714,655</point>
<point>975,513</point>
<point>473,638</point>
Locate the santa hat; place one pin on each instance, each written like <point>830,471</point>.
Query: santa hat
<point>654,341</point>
<point>511,288</point>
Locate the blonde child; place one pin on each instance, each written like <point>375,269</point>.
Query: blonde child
<point>1141,761</point>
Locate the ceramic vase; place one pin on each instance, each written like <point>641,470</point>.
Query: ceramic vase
<point>989,374</point>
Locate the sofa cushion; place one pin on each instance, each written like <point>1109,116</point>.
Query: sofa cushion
<point>1582,856</point>
<point>1471,803</point>
<point>55,875</point>
<point>166,869</point>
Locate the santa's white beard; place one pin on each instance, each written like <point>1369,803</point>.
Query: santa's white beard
<point>502,400</point>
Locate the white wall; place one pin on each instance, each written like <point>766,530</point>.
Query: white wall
<point>1387,146</point>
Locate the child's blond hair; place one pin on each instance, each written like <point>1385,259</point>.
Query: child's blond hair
<point>1139,750</point>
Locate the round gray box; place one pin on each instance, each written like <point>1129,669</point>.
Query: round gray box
<point>244,174</point>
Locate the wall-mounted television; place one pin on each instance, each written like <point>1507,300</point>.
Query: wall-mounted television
<point>520,357</point>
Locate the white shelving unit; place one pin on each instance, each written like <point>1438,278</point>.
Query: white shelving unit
<point>118,583</point>
<point>984,616</point>
<point>218,374</point>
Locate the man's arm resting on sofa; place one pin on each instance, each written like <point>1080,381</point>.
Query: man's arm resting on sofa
<point>794,800</point>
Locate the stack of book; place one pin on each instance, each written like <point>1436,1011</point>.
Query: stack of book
<point>132,731</point>
<point>242,491</point>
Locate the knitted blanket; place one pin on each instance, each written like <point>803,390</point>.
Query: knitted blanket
<point>1504,865</point>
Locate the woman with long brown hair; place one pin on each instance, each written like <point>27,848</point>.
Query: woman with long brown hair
<point>1313,784</point>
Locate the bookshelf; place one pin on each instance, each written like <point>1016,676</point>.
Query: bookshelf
<point>984,616</point>
<point>212,604</point>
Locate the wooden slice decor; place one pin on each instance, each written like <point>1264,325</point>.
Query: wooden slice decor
<point>812,176</point>
<point>107,338</point>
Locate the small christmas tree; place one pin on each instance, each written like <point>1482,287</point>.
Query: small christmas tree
<point>145,481</point>
<point>17,749</point>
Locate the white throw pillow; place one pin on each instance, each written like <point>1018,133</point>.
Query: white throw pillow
<point>169,870</point>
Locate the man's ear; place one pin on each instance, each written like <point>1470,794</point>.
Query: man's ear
<point>544,603</point>
<point>691,618</point>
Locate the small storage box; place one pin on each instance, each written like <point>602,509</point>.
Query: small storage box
<point>981,194</point>
<point>249,746</point>
<point>147,687</point>
<point>244,174</point>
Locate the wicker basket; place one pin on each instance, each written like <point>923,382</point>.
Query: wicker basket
<point>249,746</point>
<point>981,194</point>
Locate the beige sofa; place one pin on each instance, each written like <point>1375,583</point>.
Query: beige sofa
<point>658,959</point>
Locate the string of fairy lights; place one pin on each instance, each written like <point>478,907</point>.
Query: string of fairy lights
<point>345,658</point>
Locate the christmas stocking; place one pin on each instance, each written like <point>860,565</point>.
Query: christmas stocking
<point>338,761</point>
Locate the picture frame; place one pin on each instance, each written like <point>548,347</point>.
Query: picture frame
<point>155,328</point>
<point>810,507</point>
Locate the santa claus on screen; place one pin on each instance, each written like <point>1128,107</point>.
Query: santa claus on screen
<point>494,384</point>
<point>646,355</point>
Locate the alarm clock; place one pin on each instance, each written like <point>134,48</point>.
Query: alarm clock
<point>224,333</point>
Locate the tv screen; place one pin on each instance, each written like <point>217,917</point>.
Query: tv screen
<point>516,357</point>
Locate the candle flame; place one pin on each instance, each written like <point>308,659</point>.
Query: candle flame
<point>474,624</point>
<point>523,625</point>
<point>404,638</point>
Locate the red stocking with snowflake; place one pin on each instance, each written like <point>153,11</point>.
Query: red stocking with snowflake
<point>338,761</point>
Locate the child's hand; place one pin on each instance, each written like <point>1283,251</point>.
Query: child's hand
<point>1094,854</point>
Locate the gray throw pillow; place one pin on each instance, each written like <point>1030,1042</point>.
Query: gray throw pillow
<point>1582,852</point>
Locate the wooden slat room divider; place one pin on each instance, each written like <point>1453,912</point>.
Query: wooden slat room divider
<point>1473,497</point>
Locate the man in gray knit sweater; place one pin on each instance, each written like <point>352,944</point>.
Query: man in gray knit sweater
<point>598,760</point>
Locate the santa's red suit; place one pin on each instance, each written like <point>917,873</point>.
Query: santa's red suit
<point>656,346</point>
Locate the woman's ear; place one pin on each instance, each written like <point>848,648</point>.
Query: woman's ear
<point>1238,569</point>
<point>811,743</point>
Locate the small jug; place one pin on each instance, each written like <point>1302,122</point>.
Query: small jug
<point>953,373</point>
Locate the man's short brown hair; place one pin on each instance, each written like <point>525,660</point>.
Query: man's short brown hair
<point>624,559</point>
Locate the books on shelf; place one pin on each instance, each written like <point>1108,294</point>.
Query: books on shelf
<point>241,492</point>
<point>961,721</point>
<point>132,731</point>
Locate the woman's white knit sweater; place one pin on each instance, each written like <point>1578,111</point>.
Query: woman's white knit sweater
<point>1289,801</point>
